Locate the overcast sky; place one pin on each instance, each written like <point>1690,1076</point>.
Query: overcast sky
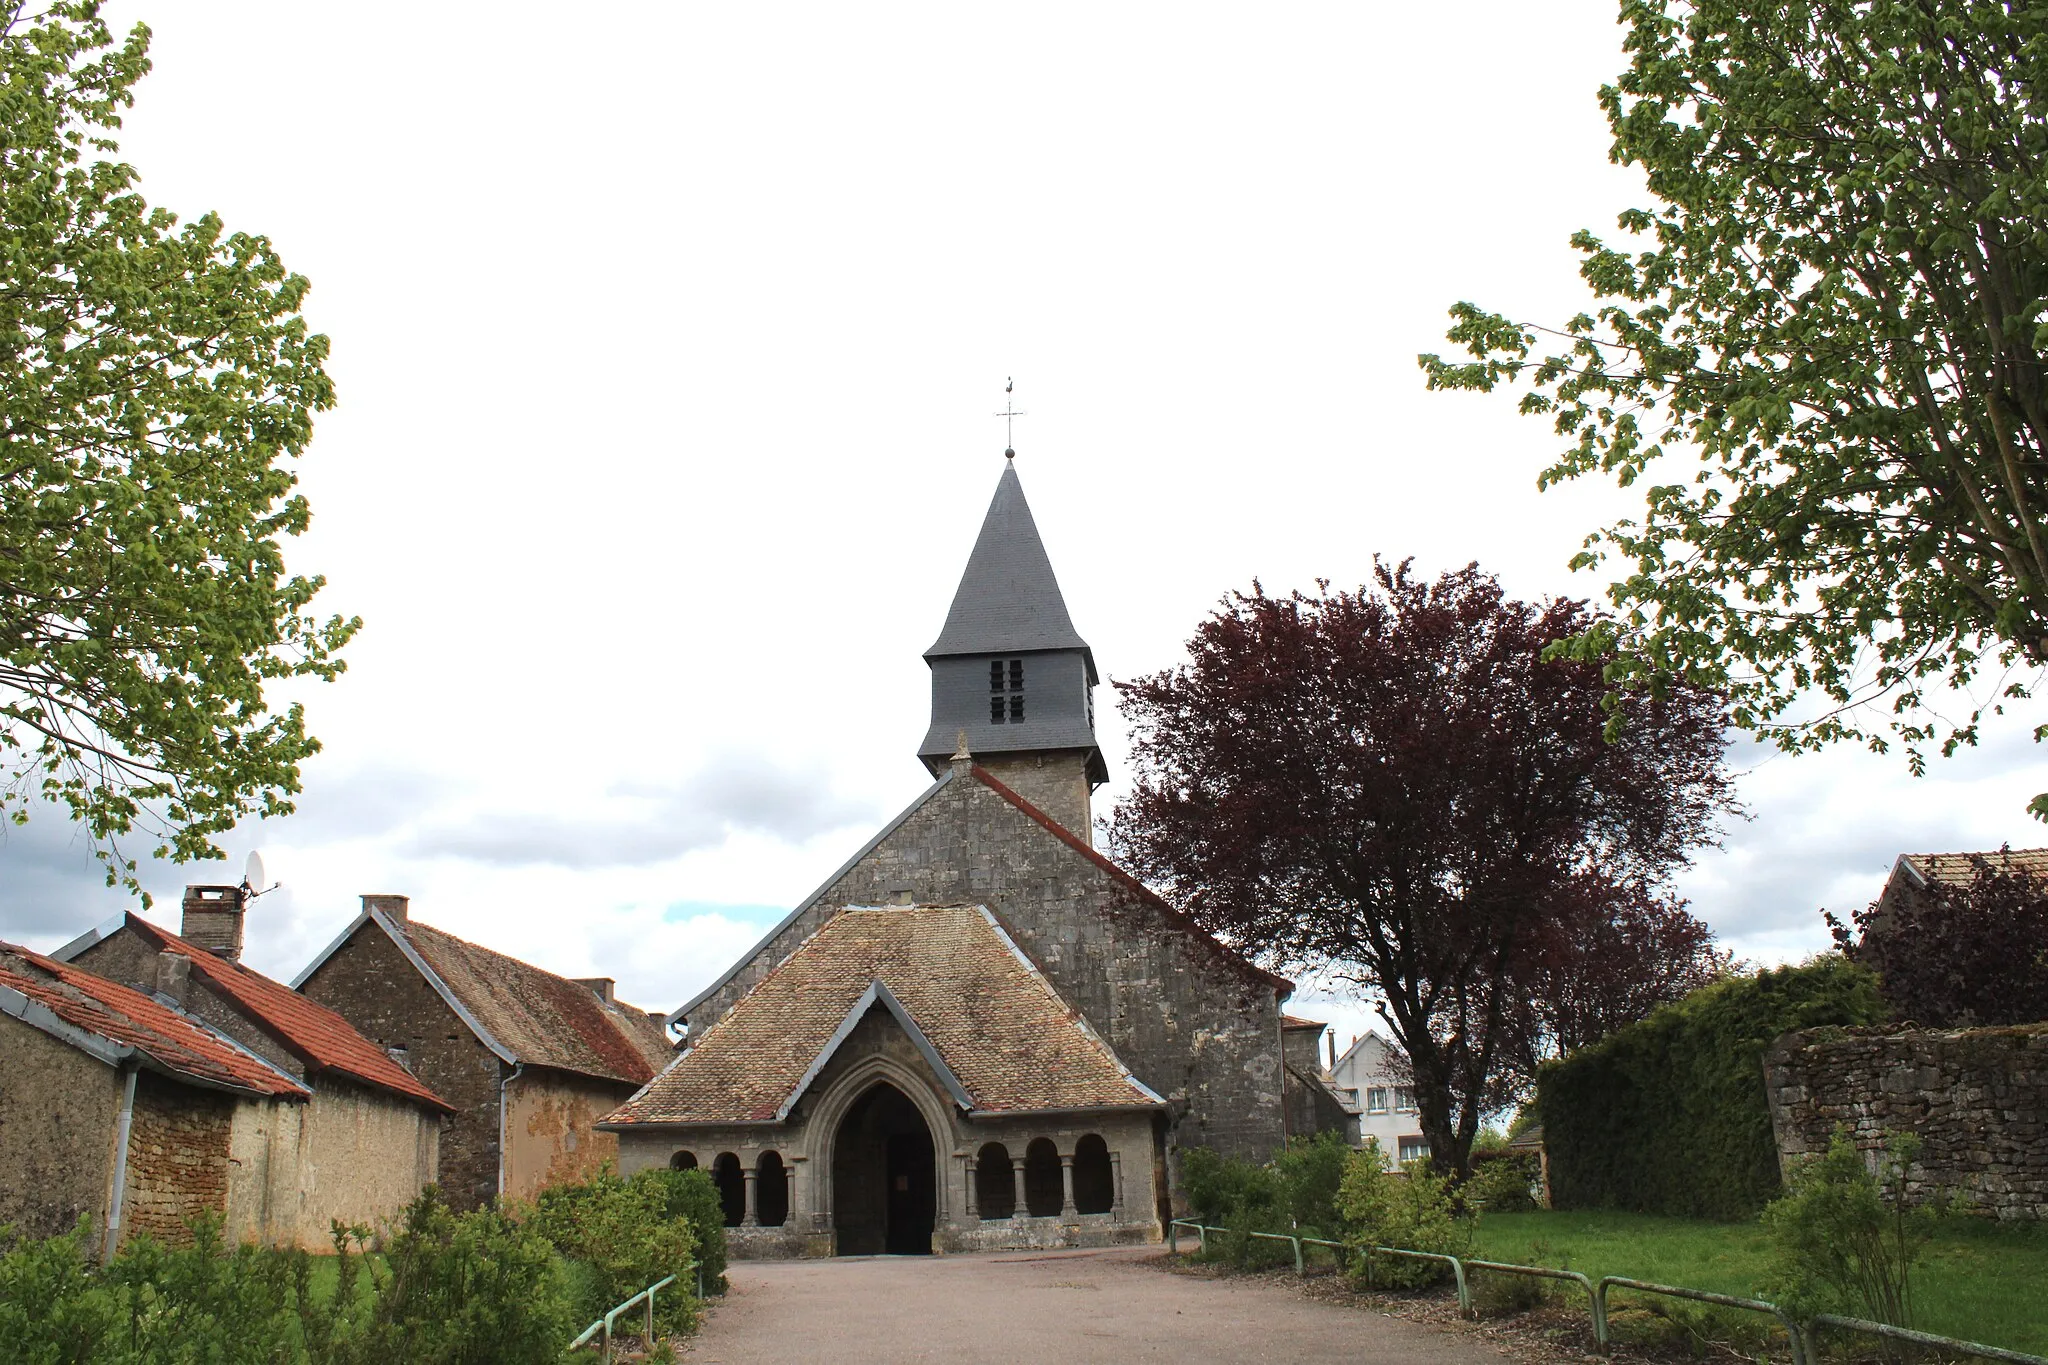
<point>668,339</point>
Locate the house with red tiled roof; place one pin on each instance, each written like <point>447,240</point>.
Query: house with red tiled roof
<point>980,1032</point>
<point>528,1060</point>
<point>1913,874</point>
<point>368,1135</point>
<point>122,1109</point>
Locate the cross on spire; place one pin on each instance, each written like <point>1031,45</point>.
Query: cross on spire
<point>1010,414</point>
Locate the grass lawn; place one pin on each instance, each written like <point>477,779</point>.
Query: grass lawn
<point>1980,1281</point>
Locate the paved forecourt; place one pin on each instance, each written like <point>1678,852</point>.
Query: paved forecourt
<point>1063,1306</point>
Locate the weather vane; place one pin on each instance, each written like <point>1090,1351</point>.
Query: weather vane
<point>1010,414</point>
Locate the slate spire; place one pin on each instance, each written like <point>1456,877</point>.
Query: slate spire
<point>1008,601</point>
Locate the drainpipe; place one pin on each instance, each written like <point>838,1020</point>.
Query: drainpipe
<point>122,1127</point>
<point>1280,1027</point>
<point>505,1124</point>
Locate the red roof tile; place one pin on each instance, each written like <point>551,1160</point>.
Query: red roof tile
<point>111,1011</point>
<point>991,1017</point>
<point>543,1019</point>
<point>1959,868</point>
<point>1180,918</point>
<point>310,1031</point>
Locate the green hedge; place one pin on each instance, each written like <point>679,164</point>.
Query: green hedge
<point>1669,1115</point>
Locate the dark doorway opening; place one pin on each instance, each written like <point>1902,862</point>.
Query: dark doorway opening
<point>771,1191</point>
<point>884,1179</point>
<point>732,1188</point>
<point>1044,1188</point>
<point>1094,1181</point>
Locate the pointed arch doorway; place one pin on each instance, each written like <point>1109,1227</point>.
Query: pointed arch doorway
<point>884,1177</point>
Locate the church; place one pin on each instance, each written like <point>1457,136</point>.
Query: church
<point>979,1033</point>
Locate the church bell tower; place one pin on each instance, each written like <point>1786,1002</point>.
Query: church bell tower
<point>1010,670</point>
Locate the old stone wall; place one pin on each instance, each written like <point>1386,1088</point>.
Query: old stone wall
<point>548,1129</point>
<point>1977,1099</point>
<point>349,1154</point>
<point>1055,782</point>
<point>370,983</point>
<point>1201,1033</point>
<point>58,1113</point>
<point>178,1158</point>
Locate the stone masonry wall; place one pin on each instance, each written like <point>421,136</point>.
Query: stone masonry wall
<point>177,1159</point>
<point>1202,1034</point>
<point>58,1111</point>
<point>1977,1099</point>
<point>370,983</point>
<point>548,1120</point>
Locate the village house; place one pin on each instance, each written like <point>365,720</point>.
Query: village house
<point>1315,1102</point>
<point>134,1114</point>
<point>1913,874</point>
<point>527,1059</point>
<point>360,1136</point>
<point>1373,1076</point>
<point>980,1032</point>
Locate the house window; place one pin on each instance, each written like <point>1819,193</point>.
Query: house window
<point>1414,1148</point>
<point>1376,1099</point>
<point>1404,1099</point>
<point>1006,691</point>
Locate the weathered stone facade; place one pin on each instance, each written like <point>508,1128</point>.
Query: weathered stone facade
<point>833,1197</point>
<point>59,1108</point>
<point>178,1165</point>
<point>1190,1022</point>
<point>1056,782</point>
<point>549,1137</point>
<point>374,987</point>
<point>1976,1098</point>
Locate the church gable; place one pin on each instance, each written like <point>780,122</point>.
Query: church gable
<point>987,1026</point>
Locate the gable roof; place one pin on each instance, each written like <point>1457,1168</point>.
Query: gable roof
<point>528,1016</point>
<point>1008,601</point>
<point>310,1031</point>
<point>1961,868</point>
<point>114,1023</point>
<point>1179,918</point>
<point>996,1034</point>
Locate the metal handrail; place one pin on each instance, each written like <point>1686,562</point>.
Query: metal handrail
<point>1549,1273</point>
<point>1704,1296</point>
<point>604,1323</point>
<point>1885,1329</point>
<point>1457,1268</point>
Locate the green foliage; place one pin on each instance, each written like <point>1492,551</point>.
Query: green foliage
<point>691,1196</point>
<point>621,1232</point>
<point>53,1310</point>
<point>1836,317</point>
<point>1412,1209</point>
<point>154,377</point>
<point>1669,1115</point>
<point>1294,1194</point>
<point>1503,1183</point>
<point>1845,1239</point>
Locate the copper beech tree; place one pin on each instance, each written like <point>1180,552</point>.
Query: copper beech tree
<point>1392,785</point>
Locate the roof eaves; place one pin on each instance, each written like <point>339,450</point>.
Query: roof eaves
<point>877,993</point>
<point>682,1012</point>
<point>1064,1111</point>
<point>222,1038</point>
<point>100,932</point>
<point>41,1017</point>
<point>441,988</point>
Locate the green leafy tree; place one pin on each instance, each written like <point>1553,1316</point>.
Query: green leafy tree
<point>154,379</point>
<point>1839,311</point>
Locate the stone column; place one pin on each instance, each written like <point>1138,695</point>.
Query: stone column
<point>968,1165</point>
<point>798,1209</point>
<point>1021,1209</point>
<point>753,1177</point>
<point>1116,1182</point>
<point>1066,1184</point>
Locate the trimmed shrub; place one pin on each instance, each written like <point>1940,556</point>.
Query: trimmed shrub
<point>1669,1115</point>
<point>1413,1209</point>
<point>1503,1183</point>
<point>1294,1194</point>
<point>691,1196</point>
<point>621,1235</point>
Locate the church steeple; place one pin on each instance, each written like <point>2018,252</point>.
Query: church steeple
<point>1011,671</point>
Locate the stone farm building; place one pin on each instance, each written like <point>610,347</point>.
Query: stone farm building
<point>980,1032</point>
<point>138,1112</point>
<point>529,1060</point>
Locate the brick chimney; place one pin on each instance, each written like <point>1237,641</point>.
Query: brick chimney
<point>213,920</point>
<point>394,907</point>
<point>600,985</point>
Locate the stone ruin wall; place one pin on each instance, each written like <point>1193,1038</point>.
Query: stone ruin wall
<point>1977,1099</point>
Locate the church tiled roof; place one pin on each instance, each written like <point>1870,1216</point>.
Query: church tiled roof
<point>992,1022</point>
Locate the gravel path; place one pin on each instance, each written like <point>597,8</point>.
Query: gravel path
<point>1071,1306</point>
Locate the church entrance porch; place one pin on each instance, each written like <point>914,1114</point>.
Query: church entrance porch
<point>884,1177</point>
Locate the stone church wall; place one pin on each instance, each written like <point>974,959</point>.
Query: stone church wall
<point>1198,1031</point>
<point>1977,1099</point>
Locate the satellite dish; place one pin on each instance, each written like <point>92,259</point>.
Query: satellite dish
<point>252,876</point>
